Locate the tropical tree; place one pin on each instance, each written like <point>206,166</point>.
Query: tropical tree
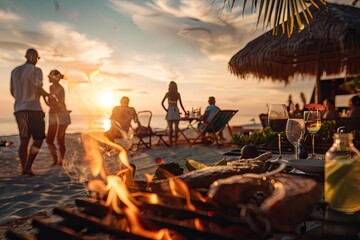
<point>276,12</point>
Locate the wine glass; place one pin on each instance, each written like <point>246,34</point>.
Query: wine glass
<point>277,117</point>
<point>295,130</point>
<point>313,124</point>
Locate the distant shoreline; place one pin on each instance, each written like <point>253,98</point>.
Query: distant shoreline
<point>82,123</point>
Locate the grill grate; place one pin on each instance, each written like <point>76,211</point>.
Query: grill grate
<point>91,220</point>
<point>94,221</point>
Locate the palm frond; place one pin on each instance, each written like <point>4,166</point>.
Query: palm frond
<point>277,12</point>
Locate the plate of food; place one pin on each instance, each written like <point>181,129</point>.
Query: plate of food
<point>308,165</point>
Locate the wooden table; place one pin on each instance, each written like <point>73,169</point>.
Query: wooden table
<point>191,125</point>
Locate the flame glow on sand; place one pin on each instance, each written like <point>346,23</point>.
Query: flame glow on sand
<point>112,189</point>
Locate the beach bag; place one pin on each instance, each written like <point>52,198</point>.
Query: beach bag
<point>64,117</point>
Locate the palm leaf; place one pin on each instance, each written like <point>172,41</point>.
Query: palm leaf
<point>276,12</point>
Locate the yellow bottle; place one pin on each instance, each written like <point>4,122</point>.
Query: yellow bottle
<point>342,174</point>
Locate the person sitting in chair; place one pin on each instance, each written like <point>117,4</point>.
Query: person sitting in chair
<point>209,113</point>
<point>354,107</point>
<point>330,113</point>
<point>121,118</point>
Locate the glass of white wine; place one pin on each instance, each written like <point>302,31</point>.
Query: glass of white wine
<point>295,130</point>
<point>312,120</point>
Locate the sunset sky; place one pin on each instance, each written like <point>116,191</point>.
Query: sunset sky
<point>108,49</point>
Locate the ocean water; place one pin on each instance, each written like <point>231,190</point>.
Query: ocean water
<point>81,123</point>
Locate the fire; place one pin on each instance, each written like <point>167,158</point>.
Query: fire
<point>113,192</point>
<point>114,188</point>
<point>179,188</point>
<point>136,227</point>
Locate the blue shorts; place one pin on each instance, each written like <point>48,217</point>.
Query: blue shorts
<point>173,114</point>
<point>31,124</point>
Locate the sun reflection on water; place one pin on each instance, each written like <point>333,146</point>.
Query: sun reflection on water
<point>106,123</point>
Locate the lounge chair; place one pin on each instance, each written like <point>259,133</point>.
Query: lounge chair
<point>215,126</point>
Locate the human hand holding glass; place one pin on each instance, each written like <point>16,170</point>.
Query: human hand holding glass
<point>312,120</point>
<point>277,117</point>
<point>295,130</point>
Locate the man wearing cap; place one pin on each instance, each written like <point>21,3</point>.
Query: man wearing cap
<point>26,87</point>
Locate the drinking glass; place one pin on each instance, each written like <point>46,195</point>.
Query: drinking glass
<point>277,117</point>
<point>193,112</point>
<point>312,120</point>
<point>295,130</point>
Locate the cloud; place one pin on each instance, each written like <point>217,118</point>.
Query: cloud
<point>212,29</point>
<point>67,44</point>
<point>9,16</point>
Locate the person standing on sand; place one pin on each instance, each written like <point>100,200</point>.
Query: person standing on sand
<point>59,117</point>
<point>26,87</point>
<point>172,112</point>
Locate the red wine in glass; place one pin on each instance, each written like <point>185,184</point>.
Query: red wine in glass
<point>278,125</point>
<point>277,118</point>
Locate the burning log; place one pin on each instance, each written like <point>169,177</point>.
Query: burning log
<point>179,220</point>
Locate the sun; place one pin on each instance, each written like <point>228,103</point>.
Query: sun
<point>106,100</point>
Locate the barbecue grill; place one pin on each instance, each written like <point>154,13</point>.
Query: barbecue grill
<point>121,209</point>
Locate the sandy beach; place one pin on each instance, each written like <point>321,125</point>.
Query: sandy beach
<point>23,195</point>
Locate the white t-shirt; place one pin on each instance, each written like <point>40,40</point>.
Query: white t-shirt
<point>24,82</point>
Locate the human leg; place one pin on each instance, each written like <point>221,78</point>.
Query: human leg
<point>37,130</point>
<point>34,150</point>
<point>52,129</point>
<point>22,120</point>
<point>170,124</point>
<point>176,131</point>
<point>23,152</point>
<point>61,141</point>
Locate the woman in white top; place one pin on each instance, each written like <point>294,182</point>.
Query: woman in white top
<point>173,114</point>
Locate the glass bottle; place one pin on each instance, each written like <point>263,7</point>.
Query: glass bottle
<point>342,174</point>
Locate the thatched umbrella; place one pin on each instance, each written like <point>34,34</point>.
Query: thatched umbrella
<point>330,44</point>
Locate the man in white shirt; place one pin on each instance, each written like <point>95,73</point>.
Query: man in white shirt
<point>26,87</point>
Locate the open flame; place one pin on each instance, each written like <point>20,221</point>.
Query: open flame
<point>113,192</point>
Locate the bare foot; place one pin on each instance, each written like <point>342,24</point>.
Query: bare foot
<point>31,173</point>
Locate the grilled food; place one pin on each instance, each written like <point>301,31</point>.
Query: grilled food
<point>204,177</point>
<point>288,199</point>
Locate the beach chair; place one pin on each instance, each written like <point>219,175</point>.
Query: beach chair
<point>143,132</point>
<point>215,126</point>
<point>161,134</point>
